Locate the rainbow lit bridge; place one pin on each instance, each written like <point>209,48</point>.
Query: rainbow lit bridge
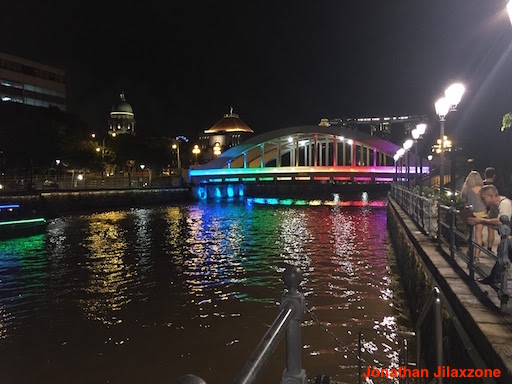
<point>298,156</point>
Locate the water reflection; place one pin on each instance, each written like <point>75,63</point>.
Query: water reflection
<point>22,278</point>
<point>105,247</point>
<point>199,284</point>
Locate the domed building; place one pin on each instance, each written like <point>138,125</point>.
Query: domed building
<point>122,119</point>
<point>227,132</point>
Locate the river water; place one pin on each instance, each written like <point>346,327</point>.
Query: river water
<point>144,295</point>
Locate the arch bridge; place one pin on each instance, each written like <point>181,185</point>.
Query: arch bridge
<point>298,155</point>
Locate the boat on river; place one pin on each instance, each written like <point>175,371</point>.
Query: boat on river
<point>16,222</point>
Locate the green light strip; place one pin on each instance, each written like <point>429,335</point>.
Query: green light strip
<point>40,220</point>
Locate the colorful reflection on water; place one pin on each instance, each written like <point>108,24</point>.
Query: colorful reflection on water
<point>148,294</point>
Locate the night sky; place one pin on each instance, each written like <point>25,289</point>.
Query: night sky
<point>182,64</point>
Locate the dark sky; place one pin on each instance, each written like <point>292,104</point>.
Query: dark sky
<point>182,64</point>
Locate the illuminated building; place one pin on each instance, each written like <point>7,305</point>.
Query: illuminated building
<point>122,118</point>
<point>380,126</point>
<point>28,82</point>
<point>227,132</point>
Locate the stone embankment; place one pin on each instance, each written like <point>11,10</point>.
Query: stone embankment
<point>53,204</point>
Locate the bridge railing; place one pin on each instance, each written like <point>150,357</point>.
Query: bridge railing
<point>445,224</point>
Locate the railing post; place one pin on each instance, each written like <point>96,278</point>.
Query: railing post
<point>294,374</point>
<point>439,226</point>
<point>471,251</point>
<point>453,213</point>
<point>430,213</point>
<point>504,261</point>
<point>422,210</point>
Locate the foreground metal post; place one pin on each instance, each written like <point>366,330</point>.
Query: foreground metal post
<point>359,347</point>
<point>439,331</point>
<point>433,300</point>
<point>294,374</point>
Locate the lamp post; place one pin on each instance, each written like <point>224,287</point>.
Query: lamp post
<point>196,151</point>
<point>142,166</point>
<point>452,96</point>
<point>177,148</point>
<point>417,134</point>
<point>399,155</point>
<point>509,10</point>
<point>57,163</point>
<point>396,158</point>
<point>217,149</point>
<point>429,157</point>
<point>407,146</point>
<point>102,150</point>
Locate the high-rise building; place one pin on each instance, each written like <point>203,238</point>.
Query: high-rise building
<point>382,126</point>
<point>28,82</point>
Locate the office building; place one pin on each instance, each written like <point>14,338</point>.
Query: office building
<point>28,82</point>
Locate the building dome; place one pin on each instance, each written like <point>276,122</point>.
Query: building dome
<point>230,123</point>
<point>122,119</point>
<point>122,106</point>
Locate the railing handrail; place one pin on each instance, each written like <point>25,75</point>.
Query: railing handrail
<point>259,358</point>
<point>292,309</point>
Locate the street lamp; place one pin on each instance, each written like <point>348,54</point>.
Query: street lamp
<point>509,10</point>
<point>177,148</point>
<point>102,150</point>
<point>217,149</point>
<point>449,102</point>
<point>196,151</point>
<point>429,157</point>
<point>57,162</point>
<point>142,167</point>
<point>399,153</point>
<point>417,134</point>
<point>407,146</point>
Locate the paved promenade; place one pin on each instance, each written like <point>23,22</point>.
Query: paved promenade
<point>477,306</point>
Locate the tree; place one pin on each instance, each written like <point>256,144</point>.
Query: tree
<point>507,121</point>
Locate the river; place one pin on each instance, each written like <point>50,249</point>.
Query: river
<point>144,295</point>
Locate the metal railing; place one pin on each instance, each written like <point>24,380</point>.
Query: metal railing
<point>443,223</point>
<point>291,311</point>
<point>421,208</point>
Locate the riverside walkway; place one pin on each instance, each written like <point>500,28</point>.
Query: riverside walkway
<point>487,328</point>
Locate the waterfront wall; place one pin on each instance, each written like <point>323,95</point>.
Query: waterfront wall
<point>53,204</point>
<point>419,276</point>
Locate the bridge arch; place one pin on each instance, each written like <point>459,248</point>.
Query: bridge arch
<point>302,151</point>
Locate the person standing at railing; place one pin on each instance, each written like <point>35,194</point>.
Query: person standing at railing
<point>491,198</point>
<point>471,196</point>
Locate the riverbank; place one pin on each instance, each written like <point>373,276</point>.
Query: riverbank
<point>57,203</point>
